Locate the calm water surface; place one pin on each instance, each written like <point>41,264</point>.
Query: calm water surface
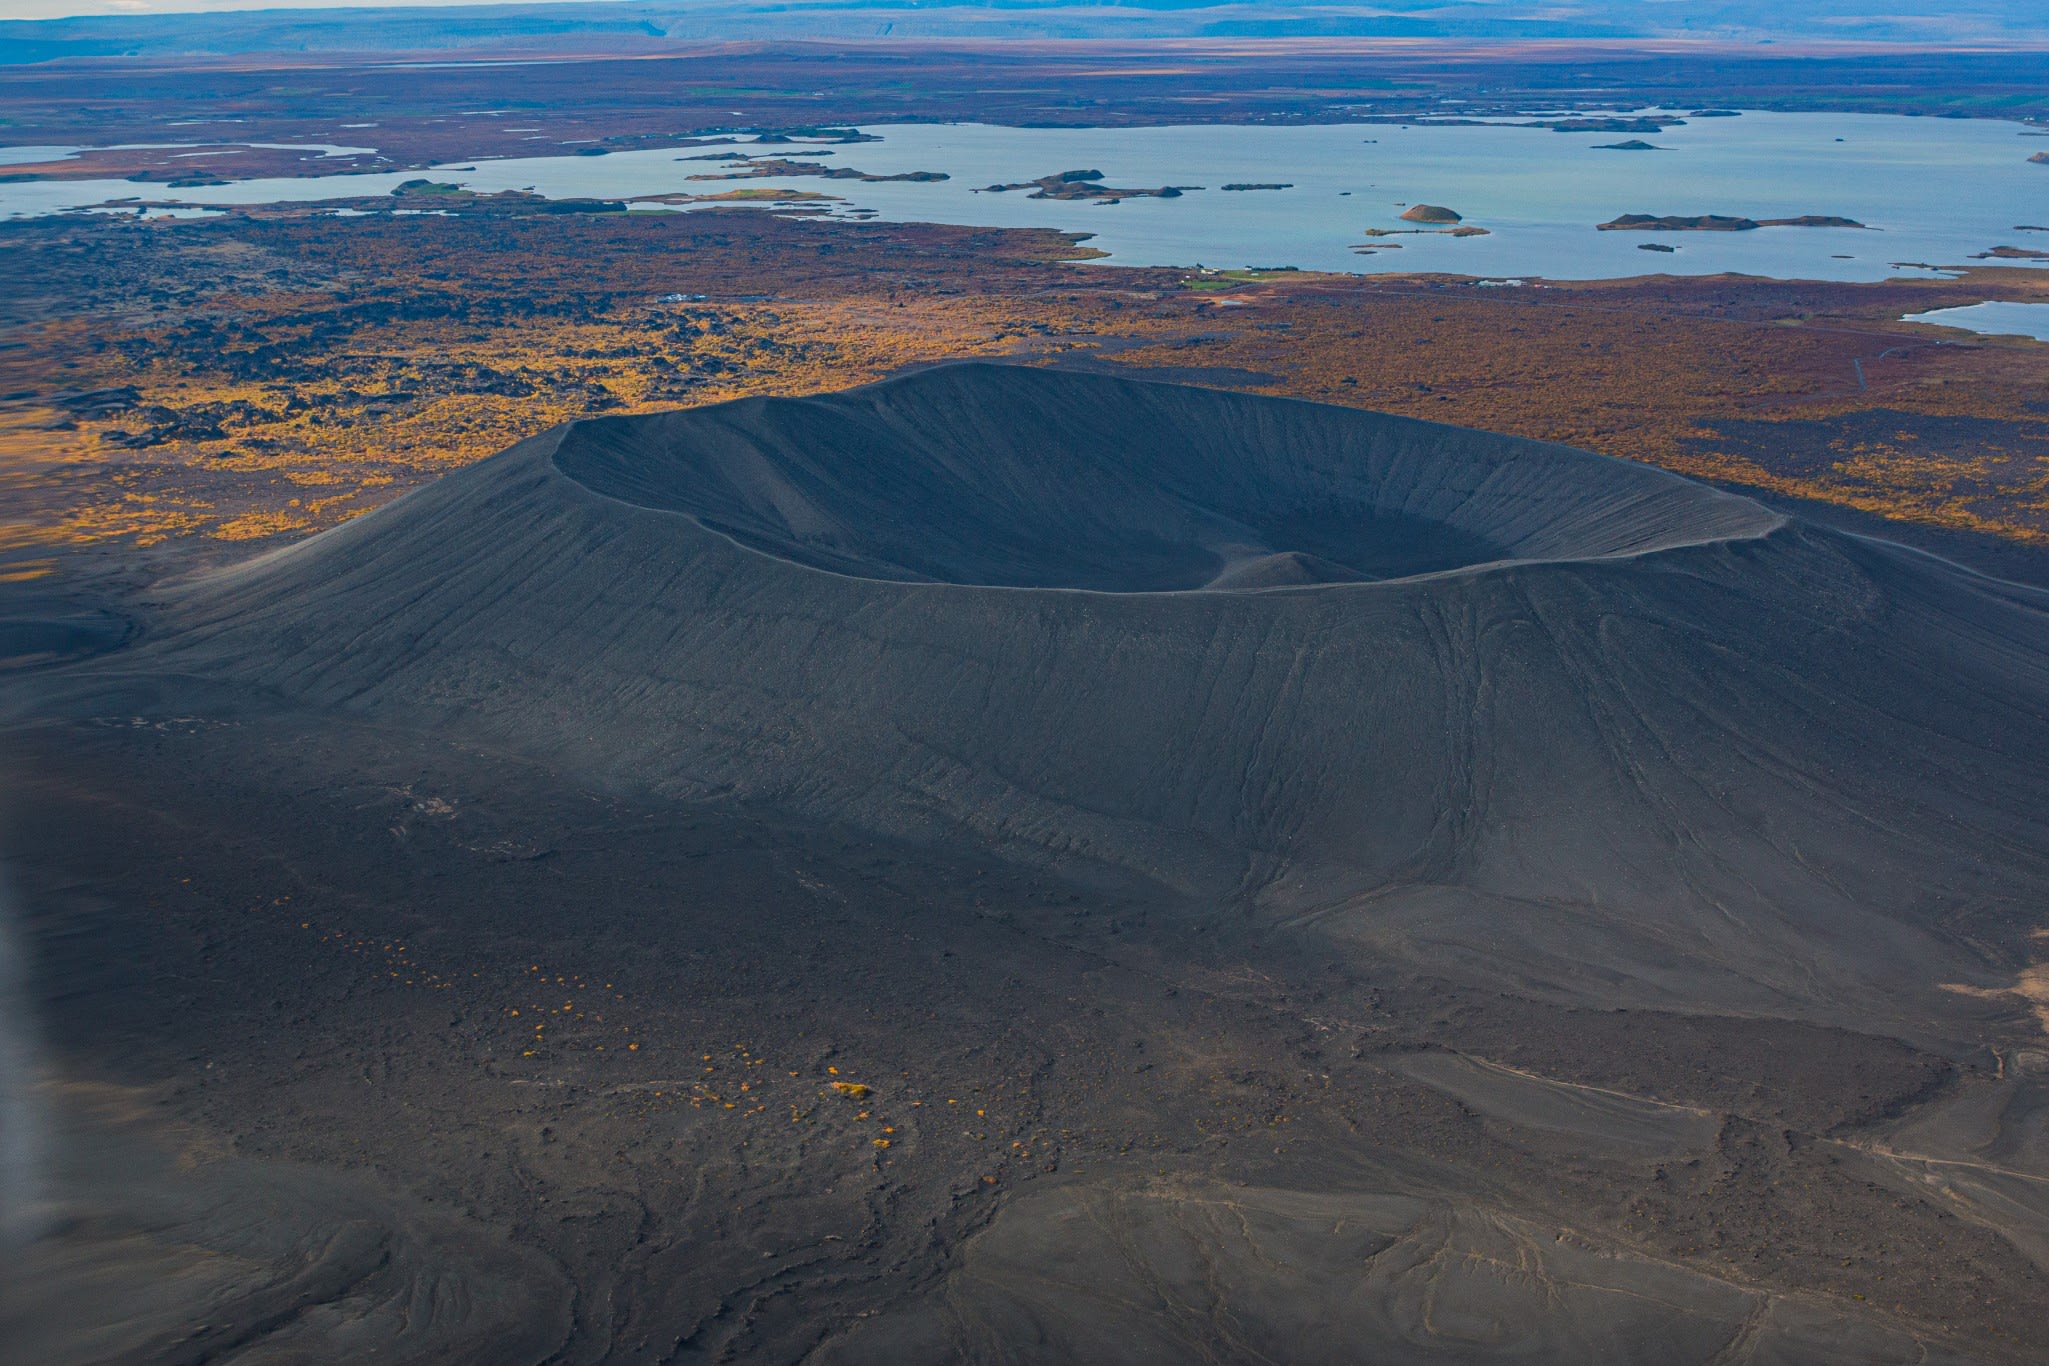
<point>1934,192</point>
<point>1992,319</point>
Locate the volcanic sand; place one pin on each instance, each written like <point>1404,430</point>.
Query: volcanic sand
<point>1447,894</point>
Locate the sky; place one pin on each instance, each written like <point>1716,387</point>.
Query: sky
<point>65,9</point>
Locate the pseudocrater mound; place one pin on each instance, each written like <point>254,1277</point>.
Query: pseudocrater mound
<point>1014,477</point>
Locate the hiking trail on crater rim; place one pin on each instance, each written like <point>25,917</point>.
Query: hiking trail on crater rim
<point>1529,728</point>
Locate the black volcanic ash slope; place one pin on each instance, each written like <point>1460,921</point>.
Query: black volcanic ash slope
<point>1581,725</point>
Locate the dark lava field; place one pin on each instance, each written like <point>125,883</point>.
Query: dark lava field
<point>1027,866</point>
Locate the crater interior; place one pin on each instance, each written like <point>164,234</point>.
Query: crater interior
<point>1027,478</point>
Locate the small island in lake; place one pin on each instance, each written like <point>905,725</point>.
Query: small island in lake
<point>1633,145</point>
<point>1084,185</point>
<point>1812,220</point>
<point>778,166</point>
<point>1436,220</point>
<point>1280,186</point>
<point>1718,222</point>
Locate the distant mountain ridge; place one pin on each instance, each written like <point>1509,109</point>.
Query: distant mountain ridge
<point>664,23</point>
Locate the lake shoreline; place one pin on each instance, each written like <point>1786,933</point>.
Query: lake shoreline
<point>1531,201</point>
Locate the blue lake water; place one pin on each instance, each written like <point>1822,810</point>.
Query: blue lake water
<point>1933,192</point>
<point>1991,319</point>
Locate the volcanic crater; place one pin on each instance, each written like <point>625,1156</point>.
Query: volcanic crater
<point>1019,478</point>
<point>1303,658</point>
<point>1331,857</point>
